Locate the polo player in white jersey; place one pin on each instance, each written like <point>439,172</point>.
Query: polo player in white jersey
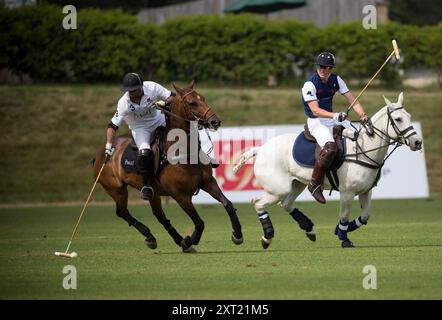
<point>317,98</point>
<point>137,108</point>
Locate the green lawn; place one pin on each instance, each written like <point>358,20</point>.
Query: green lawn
<point>403,240</point>
<point>51,132</point>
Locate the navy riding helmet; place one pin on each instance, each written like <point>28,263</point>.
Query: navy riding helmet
<point>325,59</point>
<point>131,81</point>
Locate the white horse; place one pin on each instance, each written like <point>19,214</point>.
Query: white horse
<point>283,179</point>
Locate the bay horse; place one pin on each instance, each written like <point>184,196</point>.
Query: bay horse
<point>283,179</point>
<point>179,181</point>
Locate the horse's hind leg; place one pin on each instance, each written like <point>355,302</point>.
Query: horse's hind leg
<point>303,221</point>
<point>120,196</point>
<point>267,226</point>
<point>158,212</point>
<point>213,189</point>
<point>186,204</point>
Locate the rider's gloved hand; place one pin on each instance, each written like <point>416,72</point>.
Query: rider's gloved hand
<point>368,125</point>
<point>160,103</point>
<point>108,152</point>
<point>340,116</point>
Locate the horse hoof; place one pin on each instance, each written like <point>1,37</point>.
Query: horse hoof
<point>236,240</point>
<point>311,235</point>
<point>265,242</point>
<point>347,244</point>
<point>151,243</point>
<point>189,250</point>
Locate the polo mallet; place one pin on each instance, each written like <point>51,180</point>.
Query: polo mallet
<point>395,52</point>
<point>74,254</point>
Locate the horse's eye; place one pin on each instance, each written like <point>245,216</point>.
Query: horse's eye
<point>398,120</point>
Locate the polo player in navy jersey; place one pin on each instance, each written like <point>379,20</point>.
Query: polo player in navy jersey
<point>317,96</point>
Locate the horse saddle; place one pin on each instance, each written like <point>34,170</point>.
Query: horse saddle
<point>305,150</point>
<point>129,157</point>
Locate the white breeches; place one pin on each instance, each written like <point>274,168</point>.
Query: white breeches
<point>322,129</point>
<point>142,135</point>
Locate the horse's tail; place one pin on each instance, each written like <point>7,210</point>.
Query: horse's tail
<point>246,156</point>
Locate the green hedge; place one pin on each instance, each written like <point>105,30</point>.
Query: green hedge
<point>242,49</point>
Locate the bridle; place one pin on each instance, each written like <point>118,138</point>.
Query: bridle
<point>404,139</point>
<point>202,121</point>
<point>401,138</point>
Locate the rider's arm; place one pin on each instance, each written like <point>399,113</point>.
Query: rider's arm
<point>110,133</point>
<point>318,111</point>
<point>115,122</point>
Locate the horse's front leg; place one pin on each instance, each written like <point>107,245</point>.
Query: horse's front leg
<point>212,188</point>
<point>344,213</point>
<point>158,212</point>
<point>185,202</point>
<point>365,201</point>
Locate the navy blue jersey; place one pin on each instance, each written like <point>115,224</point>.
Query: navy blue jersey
<point>315,89</point>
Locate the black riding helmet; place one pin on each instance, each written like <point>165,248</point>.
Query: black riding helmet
<point>325,59</point>
<point>131,81</point>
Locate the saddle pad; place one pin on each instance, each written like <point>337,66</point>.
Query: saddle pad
<point>303,151</point>
<point>129,159</point>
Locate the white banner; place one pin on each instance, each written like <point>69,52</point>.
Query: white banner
<point>404,175</point>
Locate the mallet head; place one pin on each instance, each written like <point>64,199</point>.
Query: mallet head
<point>73,254</point>
<point>396,49</point>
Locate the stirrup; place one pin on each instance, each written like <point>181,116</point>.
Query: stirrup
<point>147,193</point>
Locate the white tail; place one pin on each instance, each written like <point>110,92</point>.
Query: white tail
<point>246,156</point>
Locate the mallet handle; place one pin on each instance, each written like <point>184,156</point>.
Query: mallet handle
<point>84,207</point>
<point>368,83</point>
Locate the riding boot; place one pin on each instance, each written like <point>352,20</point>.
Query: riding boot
<point>323,162</point>
<point>145,163</point>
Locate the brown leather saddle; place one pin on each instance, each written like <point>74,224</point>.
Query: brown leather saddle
<point>331,172</point>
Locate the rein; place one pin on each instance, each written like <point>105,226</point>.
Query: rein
<point>203,120</point>
<point>382,135</point>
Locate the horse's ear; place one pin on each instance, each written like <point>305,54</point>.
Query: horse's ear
<point>387,102</point>
<point>178,90</point>
<point>192,83</point>
<point>400,99</point>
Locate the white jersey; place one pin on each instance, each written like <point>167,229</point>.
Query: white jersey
<point>142,115</point>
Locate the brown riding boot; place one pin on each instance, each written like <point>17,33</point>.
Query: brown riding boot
<point>323,162</point>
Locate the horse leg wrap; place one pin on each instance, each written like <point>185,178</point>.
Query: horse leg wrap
<point>267,226</point>
<point>177,238</point>
<point>197,233</point>
<point>355,224</point>
<point>342,231</point>
<point>134,222</point>
<point>304,222</point>
<point>236,225</point>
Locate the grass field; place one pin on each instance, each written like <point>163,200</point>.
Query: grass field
<point>403,240</point>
